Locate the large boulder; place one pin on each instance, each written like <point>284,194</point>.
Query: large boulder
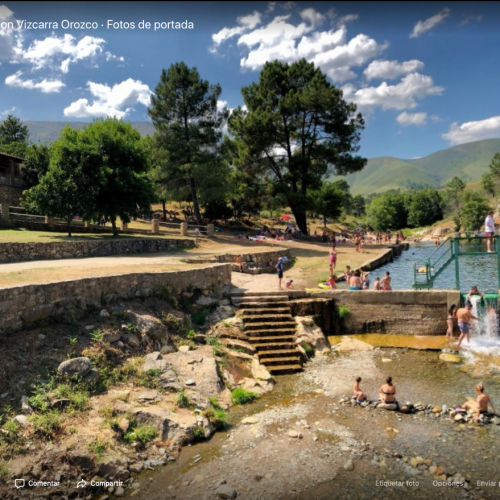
<point>307,331</point>
<point>199,366</point>
<point>155,361</point>
<point>76,367</point>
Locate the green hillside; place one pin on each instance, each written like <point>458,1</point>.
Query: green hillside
<point>49,131</point>
<point>467,161</point>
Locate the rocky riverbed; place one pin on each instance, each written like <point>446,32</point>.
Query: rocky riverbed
<point>303,441</point>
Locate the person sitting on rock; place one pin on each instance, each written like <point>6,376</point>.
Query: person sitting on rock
<point>358,393</point>
<point>388,392</point>
<point>481,404</point>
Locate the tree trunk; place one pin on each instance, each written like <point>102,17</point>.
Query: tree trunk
<point>301,219</point>
<point>324,220</point>
<point>164,209</point>
<point>196,205</point>
<point>115,229</point>
<point>69,226</point>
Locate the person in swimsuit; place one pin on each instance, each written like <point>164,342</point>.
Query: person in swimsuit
<point>388,392</point>
<point>376,285</point>
<point>332,282</point>
<point>279,267</point>
<point>386,281</point>
<point>366,281</point>
<point>452,314</point>
<point>333,259</point>
<point>355,281</point>
<point>358,393</point>
<point>464,317</point>
<point>474,291</point>
<point>239,261</point>
<point>348,273</point>
<point>481,404</point>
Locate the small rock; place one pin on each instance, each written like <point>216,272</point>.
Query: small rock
<point>4,395</point>
<point>167,349</point>
<point>249,421</point>
<point>21,420</point>
<point>120,344</point>
<point>190,382</point>
<point>184,348</point>
<point>120,492</point>
<point>349,465</point>
<point>199,478</point>
<point>59,404</point>
<point>76,367</point>
<point>25,407</point>
<point>294,434</point>
<point>226,492</point>
<point>41,336</point>
<point>133,341</point>
<point>91,378</point>
<point>89,327</point>
<point>111,337</point>
<point>450,358</point>
<point>104,314</point>
<point>437,409</point>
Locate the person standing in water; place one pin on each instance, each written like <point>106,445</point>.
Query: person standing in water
<point>452,314</point>
<point>464,317</point>
<point>481,404</point>
<point>386,281</point>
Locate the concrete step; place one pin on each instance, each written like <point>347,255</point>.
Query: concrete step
<point>261,305</point>
<point>275,345</point>
<point>284,369</point>
<point>267,318</point>
<point>270,298</point>
<point>266,310</point>
<point>260,294</point>
<point>249,327</point>
<point>268,362</point>
<point>281,353</point>
<point>276,332</point>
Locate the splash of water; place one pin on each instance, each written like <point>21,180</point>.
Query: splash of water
<point>484,331</point>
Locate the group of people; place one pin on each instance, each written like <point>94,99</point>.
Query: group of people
<point>387,395</point>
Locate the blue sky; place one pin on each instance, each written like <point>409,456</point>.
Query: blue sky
<point>426,75</point>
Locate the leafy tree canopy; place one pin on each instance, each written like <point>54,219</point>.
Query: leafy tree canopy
<point>12,130</point>
<point>295,128</point>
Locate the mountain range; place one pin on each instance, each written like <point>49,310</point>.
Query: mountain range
<point>468,161</point>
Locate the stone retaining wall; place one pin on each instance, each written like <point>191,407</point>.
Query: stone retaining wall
<point>16,252</point>
<point>408,312</point>
<point>21,306</point>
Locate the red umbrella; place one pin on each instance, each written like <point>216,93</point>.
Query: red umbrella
<point>286,217</point>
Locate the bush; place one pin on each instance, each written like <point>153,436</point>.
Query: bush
<point>308,348</point>
<point>199,433</point>
<point>343,312</point>
<point>242,396</point>
<point>143,433</point>
<point>47,425</point>
<point>182,400</point>
<point>217,417</point>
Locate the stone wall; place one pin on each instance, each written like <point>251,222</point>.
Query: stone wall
<point>21,306</point>
<point>16,252</point>
<point>408,312</point>
<point>10,195</point>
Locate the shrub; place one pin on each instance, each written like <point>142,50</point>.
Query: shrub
<point>343,312</point>
<point>182,400</point>
<point>216,416</point>
<point>96,335</point>
<point>191,334</point>
<point>242,396</point>
<point>98,447</point>
<point>143,433</point>
<point>308,348</point>
<point>199,433</point>
<point>47,425</point>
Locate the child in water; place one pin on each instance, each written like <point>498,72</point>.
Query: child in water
<point>360,395</point>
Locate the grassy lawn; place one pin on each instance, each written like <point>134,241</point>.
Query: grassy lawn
<point>24,236</point>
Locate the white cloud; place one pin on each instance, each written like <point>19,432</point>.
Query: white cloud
<point>46,86</point>
<point>221,105</point>
<point>51,49</point>
<point>405,119</point>
<point>314,17</point>
<point>7,111</point>
<point>428,24</point>
<point>115,101</point>
<point>388,70</point>
<point>473,131</point>
<point>9,39</point>
<point>403,95</point>
<point>471,19</point>
<point>348,19</point>
<point>247,22</point>
<point>271,6</point>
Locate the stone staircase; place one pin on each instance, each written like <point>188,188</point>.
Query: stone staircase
<point>267,321</point>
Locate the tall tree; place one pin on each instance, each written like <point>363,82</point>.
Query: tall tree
<point>36,164</point>
<point>124,189</point>
<point>425,207</point>
<point>473,209</point>
<point>295,127</point>
<point>454,190</point>
<point>330,200</point>
<point>189,126</point>
<point>12,130</point>
<point>70,184</point>
<point>491,179</point>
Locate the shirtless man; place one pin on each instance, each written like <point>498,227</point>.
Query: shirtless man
<point>481,404</point>
<point>464,317</point>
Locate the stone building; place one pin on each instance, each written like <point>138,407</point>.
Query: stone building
<point>11,182</point>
